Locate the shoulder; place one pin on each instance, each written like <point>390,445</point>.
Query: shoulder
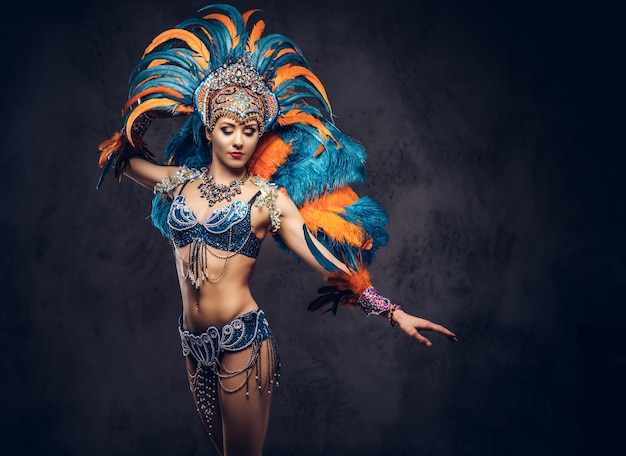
<point>181,176</point>
<point>269,198</point>
<point>264,185</point>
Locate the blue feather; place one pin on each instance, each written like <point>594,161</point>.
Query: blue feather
<point>105,170</point>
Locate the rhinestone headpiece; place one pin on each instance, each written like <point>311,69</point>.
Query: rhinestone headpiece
<point>238,91</point>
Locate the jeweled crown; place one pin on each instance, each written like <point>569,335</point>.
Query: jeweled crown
<point>237,74</point>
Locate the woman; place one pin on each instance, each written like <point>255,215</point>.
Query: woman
<point>258,154</point>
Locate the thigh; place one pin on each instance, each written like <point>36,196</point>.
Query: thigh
<point>246,379</point>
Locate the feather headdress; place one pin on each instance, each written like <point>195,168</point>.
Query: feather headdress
<point>302,150</point>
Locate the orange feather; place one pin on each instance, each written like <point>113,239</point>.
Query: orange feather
<point>194,43</point>
<point>282,52</point>
<point>334,226</point>
<point>228,23</point>
<point>288,72</point>
<point>271,153</point>
<point>245,16</point>
<point>335,200</point>
<point>286,51</point>
<point>142,82</point>
<point>254,36</point>
<point>149,91</point>
<point>356,281</point>
<point>297,116</point>
<point>323,213</point>
<point>109,146</point>
<point>157,62</point>
<point>319,150</point>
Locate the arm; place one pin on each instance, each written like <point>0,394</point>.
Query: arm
<point>148,174</point>
<point>294,233</point>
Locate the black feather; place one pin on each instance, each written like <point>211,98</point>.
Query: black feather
<point>329,296</point>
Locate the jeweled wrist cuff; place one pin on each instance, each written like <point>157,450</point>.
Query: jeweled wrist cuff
<point>373,303</point>
<point>140,125</point>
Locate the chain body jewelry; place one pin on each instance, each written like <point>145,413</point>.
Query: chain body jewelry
<point>198,250</point>
<point>247,331</point>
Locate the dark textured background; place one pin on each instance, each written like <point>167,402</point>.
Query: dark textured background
<point>493,131</point>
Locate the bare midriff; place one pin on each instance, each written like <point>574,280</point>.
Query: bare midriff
<point>216,303</point>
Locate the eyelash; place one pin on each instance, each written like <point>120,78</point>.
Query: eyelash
<point>248,133</point>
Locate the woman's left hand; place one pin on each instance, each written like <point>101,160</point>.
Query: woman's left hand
<point>412,326</point>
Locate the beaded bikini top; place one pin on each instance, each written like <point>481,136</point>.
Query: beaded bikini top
<point>227,228</point>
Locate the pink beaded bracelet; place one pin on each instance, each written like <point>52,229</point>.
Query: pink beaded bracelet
<point>392,309</point>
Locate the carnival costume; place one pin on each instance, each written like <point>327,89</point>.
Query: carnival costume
<point>220,64</point>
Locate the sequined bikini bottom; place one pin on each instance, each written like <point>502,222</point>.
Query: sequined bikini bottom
<point>250,330</point>
<point>208,347</point>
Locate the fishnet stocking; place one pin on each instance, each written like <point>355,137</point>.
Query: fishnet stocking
<point>241,407</point>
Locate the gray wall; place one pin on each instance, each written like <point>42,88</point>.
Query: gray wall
<point>492,138</point>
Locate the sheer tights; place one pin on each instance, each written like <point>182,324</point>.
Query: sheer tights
<point>241,408</point>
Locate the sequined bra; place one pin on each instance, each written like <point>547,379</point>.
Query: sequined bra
<point>227,228</point>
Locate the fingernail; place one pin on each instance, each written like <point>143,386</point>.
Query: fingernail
<point>455,339</point>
